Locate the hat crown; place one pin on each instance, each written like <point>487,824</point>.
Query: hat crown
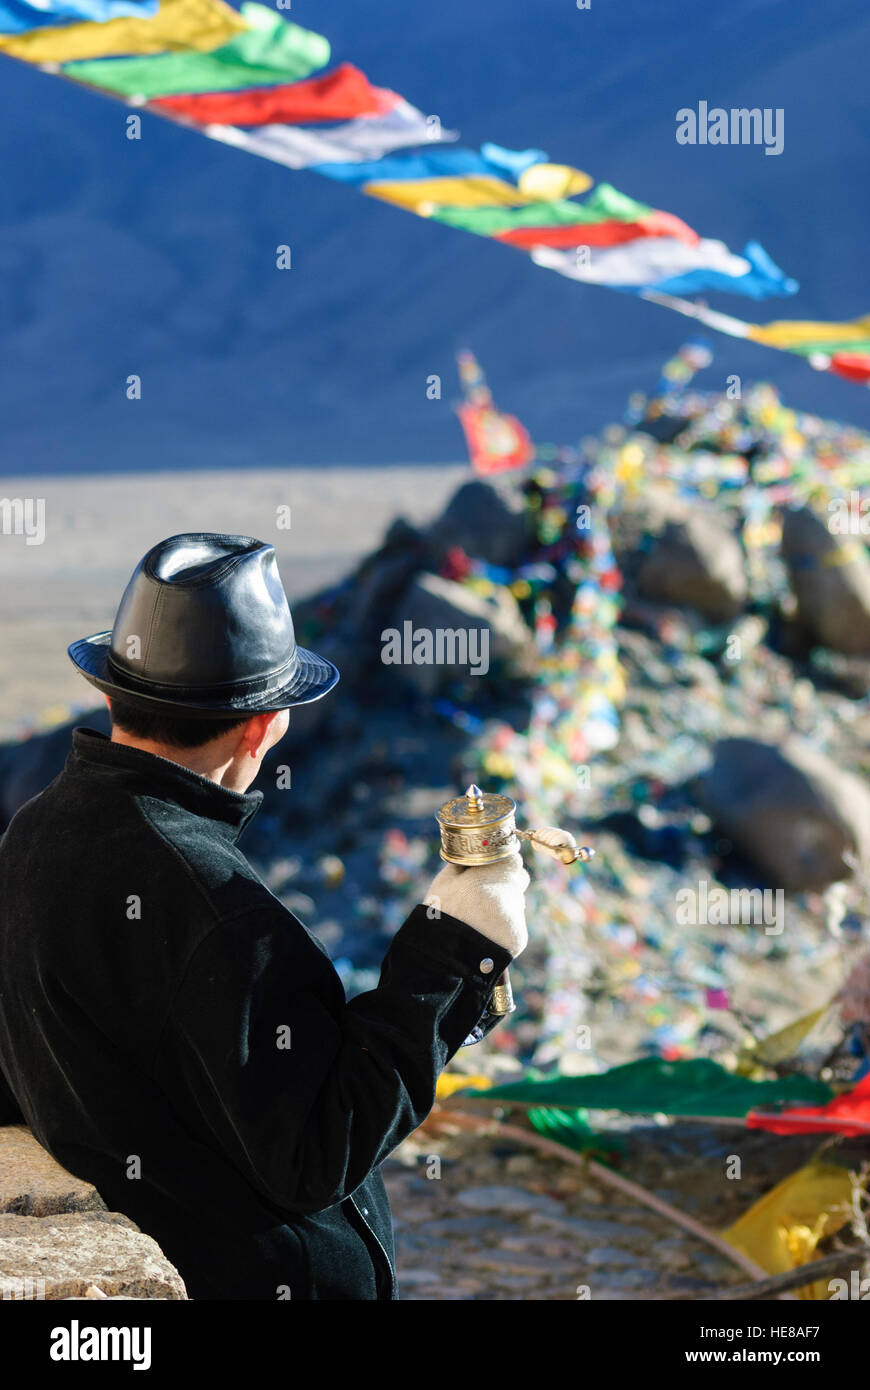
<point>186,559</point>
<point>204,610</point>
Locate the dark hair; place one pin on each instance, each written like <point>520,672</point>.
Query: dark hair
<point>176,730</point>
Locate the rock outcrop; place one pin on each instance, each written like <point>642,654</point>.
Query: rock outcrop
<point>65,1255</point>
<point>804,821</point>
<point>467,632</point>
<point>679,552</point>
<point>830,577</point>
<point>33,1184</point>
<point>57,1240</point>
<point>488,520</point>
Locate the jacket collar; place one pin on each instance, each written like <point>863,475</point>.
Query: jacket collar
<point>93,752</point>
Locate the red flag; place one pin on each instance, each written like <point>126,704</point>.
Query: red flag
<point>604,233</point>
<point>846,1114</point>
<point>855,366</point>
<point>496,442</point>
<point>337,96</point>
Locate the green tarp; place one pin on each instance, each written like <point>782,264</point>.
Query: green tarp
<point>571,1128</point>
<point>654,1086</point>
<point>271,51</point>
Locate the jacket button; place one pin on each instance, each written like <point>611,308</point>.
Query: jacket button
<point>487,965</point>
<point>365,1211</point>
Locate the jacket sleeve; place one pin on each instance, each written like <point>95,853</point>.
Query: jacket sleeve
<point>304,1092</point>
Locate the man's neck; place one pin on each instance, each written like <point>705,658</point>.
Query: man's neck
<point>206,761</point>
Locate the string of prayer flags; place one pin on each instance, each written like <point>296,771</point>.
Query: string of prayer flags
<point>248,80</point>
<point>19,16</point>
<point>340,95</point>
<point>177,24</point>
<point>268,50</point>
<point>366,138</point>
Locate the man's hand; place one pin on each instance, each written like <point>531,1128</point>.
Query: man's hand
<point>488,897</point>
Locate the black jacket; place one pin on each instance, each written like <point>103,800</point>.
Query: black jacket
<point>172,1034</point>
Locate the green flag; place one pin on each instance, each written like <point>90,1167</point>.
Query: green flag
<point>604,204</point>
<point>268,52</point>
<point>654,1086</point>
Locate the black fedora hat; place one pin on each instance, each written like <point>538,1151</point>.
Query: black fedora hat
<point>204,627</point>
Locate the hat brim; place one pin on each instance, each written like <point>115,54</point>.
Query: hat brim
<point>313,677</point>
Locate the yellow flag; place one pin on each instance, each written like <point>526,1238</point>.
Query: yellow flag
<point>781,1231</point>
<point>178,24</point>
<point>788,333</point>
<point>447,1084</point>
<point>424,196</point>
<point>553,181</point>
<point>777,1047</point>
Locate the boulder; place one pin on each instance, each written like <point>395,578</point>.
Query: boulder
<point>380,582</point>
<point>32,1183</point>
<point>488,520</point>
<point>64,1255</point>
<point>830,577</point>
<point>452,620</point>
<point>788,808</point>
<point>674,551</point>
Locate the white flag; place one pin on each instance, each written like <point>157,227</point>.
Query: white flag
<point>641,262</point>
<point>362,139</point>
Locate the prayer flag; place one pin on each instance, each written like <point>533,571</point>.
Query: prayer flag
<point>268,50</point>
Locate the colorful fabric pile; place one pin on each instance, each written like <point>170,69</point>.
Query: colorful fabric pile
<point>842,348</point>
<point>742,449</point>
<point>610,930</point>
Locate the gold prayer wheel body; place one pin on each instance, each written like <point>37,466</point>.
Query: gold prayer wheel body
<point>478,828</point>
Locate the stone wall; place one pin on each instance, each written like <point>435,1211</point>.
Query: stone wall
<point>58,1241</point>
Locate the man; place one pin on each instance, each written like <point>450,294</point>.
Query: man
<point>168,1030</point>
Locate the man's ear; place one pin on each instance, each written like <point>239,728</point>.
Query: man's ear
<point>254,732</point>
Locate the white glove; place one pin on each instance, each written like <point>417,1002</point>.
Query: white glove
<point>488,897</point>
<point>554,837</point>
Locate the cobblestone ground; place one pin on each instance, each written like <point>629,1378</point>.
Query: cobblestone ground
<point>500,1223</point>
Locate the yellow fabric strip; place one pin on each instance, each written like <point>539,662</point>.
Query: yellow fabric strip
<point>448,1082</point>
<point>468,191</point>
<point>786,333</point>
<point>781,1230</point>
<point>549,182</point>
<point>198,24</point>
